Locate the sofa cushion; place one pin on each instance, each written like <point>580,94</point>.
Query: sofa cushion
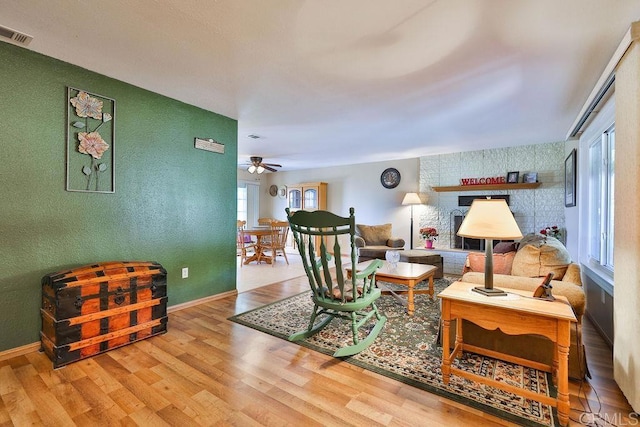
<point>573,274</point>
<point>505,247</point>
<point>540,257</point>
<point>501,262</point>
<point>395,242</point>
<point>374,235</point>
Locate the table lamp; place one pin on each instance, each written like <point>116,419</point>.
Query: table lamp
<point>411,199</point>
<point>489,219</point>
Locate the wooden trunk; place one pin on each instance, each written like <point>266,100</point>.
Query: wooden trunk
<point>98,307</point>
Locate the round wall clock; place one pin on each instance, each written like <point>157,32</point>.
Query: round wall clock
<point>390,178</point>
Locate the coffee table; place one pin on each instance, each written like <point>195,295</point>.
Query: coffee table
<point>515,314</point>
<point>406,274</point>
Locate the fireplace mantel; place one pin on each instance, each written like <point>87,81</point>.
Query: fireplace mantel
<point>480,187</point>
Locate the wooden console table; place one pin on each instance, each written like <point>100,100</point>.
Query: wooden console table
<point>515,314</point>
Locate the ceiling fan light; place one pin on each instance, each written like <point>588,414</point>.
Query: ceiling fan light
<point>259,169</point>
<point>252,169</point>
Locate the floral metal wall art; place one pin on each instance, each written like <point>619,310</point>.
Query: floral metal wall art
<point>90,142</point>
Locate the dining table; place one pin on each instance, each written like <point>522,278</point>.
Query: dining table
<point>259,233</point>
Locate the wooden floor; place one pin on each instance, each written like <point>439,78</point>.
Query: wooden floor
<point>209,371</point>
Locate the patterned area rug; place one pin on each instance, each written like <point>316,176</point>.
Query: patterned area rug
<point>407,350</point>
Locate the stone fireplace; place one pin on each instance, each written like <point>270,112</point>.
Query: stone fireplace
<point>534,208</point>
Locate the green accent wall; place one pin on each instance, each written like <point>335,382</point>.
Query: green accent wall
<point>173,204</point>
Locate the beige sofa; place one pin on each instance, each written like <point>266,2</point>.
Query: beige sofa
<point>532,262</point>
<point>373,241</point>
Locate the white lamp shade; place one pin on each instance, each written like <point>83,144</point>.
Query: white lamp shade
<point>251,169</point>
<point>489,219</point>
<point>260,169</point>
<point>411,199</point>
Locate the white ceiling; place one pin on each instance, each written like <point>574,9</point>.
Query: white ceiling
<point>333,82</point>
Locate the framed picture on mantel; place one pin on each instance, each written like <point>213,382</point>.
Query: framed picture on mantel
<point>570,179</point>
<point>512,177</point>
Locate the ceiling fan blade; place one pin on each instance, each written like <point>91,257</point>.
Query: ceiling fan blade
<point>256,162</point>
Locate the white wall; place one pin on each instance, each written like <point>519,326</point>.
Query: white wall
<point>356,186</point>
<point>626,345</point>
<point>243,175</point>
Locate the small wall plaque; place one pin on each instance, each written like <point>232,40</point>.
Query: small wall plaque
<point>209,145</point>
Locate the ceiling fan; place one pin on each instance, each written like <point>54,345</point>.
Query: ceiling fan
<point>258,167</point>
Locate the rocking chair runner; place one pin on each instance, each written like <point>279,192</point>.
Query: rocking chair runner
<point>351,298</point>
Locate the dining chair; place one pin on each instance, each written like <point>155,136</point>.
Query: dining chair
<point>335,294</point>
<point>265,221</point>
<point>244,242</point>
<point>278,241</point>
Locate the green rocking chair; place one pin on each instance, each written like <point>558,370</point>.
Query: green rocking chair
<point>336,296</point>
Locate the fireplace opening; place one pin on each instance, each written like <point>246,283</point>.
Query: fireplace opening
<point>467,243</point>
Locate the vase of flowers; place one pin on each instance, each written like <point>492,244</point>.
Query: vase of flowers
<point>429,234</point>
<point>552,231</point>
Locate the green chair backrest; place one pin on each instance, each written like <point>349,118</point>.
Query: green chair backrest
<point>318,232</point>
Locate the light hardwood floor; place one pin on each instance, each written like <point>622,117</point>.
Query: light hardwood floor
<point>209,371</point>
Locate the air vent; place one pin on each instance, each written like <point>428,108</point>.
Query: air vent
<point>15,36</point>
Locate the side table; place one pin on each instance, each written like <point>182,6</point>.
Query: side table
<point>516,314</point>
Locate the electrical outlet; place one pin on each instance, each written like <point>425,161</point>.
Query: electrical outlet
<point>185,272</point>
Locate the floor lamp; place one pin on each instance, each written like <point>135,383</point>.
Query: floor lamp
<point>411,199</point>
<point>489,219</point>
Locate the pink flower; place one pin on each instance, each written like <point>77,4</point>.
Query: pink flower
<point>87,106</point>
<point>552,231</point>
<point>429,233</point>
<point>92,144</point>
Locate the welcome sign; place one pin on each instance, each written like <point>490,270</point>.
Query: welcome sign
<point>481,181</point>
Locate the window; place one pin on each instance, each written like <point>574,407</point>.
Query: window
<point>601,198</point>
<point>248,202</point>
<point>242,203</point>
<point>310,197</point>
